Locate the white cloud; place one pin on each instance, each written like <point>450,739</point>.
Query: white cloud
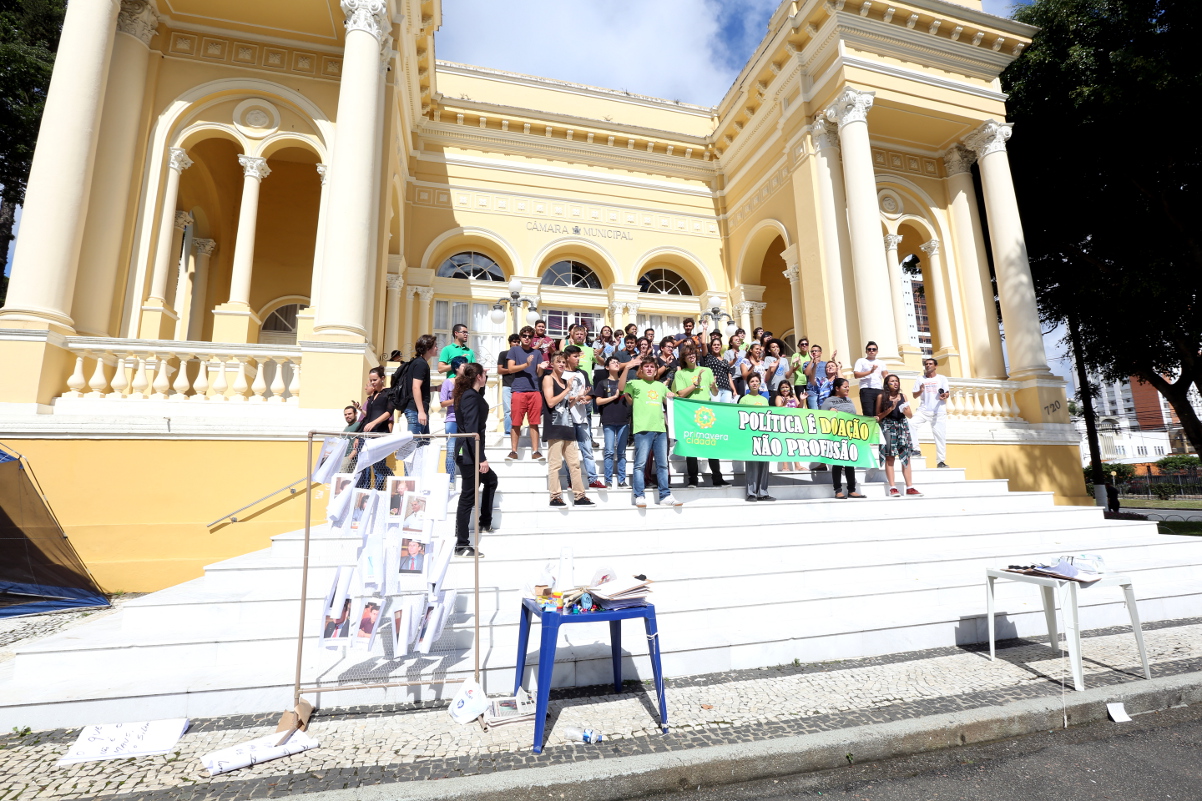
<point>688,50</point>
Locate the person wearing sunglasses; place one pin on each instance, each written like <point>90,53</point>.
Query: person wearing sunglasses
<point>872,375</point>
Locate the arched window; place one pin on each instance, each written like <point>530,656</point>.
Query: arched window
<point>571,273</point>
<point>279,328</point>
<point>664,282</point>
<point>471,265</point>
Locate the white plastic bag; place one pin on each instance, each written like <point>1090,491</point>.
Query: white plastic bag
<point>469,703</point>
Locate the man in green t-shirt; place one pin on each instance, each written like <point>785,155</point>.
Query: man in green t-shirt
<point>757,472</point>
<point>696,382</point>
<point>458,347</point>
<point>647,398</point>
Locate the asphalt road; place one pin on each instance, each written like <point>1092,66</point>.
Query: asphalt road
<point>1156,756</point>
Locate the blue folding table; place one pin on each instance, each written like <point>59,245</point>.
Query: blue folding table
<point>551,621</point>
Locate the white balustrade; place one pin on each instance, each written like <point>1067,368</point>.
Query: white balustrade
<point>159,370</point>
<point>983,400</point>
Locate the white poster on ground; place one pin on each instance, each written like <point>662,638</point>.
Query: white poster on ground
<point>263,749</point>
<point>121,740</point>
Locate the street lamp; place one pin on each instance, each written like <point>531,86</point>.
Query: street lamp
<point>515,301</point>
<point>716,314</point>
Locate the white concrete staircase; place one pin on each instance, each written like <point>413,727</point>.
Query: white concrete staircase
<point>737,585</point>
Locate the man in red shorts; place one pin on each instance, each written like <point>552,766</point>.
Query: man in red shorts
<point>526,364</point>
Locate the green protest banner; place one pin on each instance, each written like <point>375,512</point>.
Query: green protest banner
<point>772,433</point>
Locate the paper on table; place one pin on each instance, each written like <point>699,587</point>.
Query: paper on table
<point>1117,713</point>
<point>120,740</point>
<point>253,752</point>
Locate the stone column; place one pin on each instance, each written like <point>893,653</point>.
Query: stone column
<point>615,316</point>
<point>407,322</point>
<point>424,295</point>
<point>793,273</point>
<point>349,250</point>
<point>305,316</point>
<point>896,294</point>
<point>392,317</point>
<point>157,319</point>
<point>757,314</point>
<point>42,284</point>
<point>108,202</point>
<point>937,301</point>
<point>1016,288</point>
<point>175,289</point>
<point>200,287</point>
<point>832,201</point>
<point>873,302</point>
<point>984,344</point>
<point>743,309</point>
<point>234,321</point>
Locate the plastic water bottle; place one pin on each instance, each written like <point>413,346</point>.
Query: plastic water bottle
<point>576,735</point>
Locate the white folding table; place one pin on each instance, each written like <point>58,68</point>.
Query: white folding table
<point>1072,627</point>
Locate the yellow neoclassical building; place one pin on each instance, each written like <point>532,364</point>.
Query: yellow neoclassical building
<point>236,209</point>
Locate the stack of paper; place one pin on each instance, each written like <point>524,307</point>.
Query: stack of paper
<point>621,593</point>
<point>517,709</point>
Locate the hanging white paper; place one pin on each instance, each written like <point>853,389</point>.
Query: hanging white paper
<point>376,448</point>
<point>121,740</point>
<point>250,753</point>
<point>436,491</point>
<point>340,504</point>
<point>442,558</point>
<point>329,459</point>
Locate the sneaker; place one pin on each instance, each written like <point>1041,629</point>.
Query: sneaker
<point>595,445</point>
<point>894,492</point>
<point>640,502</point>
<point>721,483</point>
<point>512,455</point>
<point>469,552</point>
<point>942,464</point>
<point>670,500</point>
<point>623,485</point>
<point>692,484</point>
<point>767,498</point>
<point>558,502</point>
<point>912,493</point>
<point>538,457</point>
<point>584,502</point>
<point>751,499</point>
<point>598,484</point>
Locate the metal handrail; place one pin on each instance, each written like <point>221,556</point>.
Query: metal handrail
<point>255,503</point>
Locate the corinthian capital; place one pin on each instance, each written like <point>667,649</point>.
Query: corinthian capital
<point>958,159</point>
<point>323,170</point>
<point>178,160</point>
<point>930,248</point>
<point>137,18</point>
<point>825,134</point>
<point>851,106</point>
<point>183,219</point>
<point>369,16</point>
<point>254,167</point>
<point>425,293</point>
<point>396,282</point>
<point>892,241</point>
<point>204,247</point>
<point>989,138</point>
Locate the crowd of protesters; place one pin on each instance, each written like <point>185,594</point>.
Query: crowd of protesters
<point>622,382</point>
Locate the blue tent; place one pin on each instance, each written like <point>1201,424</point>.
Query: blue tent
<point>40,570</point>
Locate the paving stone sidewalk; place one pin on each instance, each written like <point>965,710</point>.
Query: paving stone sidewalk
<point>366,746</point>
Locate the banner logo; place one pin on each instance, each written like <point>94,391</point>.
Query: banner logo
<point>705,417</point>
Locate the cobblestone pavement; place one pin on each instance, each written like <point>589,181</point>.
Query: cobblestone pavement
<point>376,745</point>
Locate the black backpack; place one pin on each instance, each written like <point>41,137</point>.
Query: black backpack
<point>401,387</point>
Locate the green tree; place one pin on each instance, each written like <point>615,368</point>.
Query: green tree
<point>1122,472</point>
<point>1178,464</point>
<point>1109,175</point>
<point>29,31</point>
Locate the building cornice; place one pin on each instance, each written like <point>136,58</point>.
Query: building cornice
<point>469,70</point>
<point>583,152</point>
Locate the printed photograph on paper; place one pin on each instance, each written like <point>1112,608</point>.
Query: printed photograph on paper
<point>342,481</point>
<point>413,556</point>
<point>369,620</point>
<point>360,514</point>
<point>337,627</point>
<point>400,628</point>
<point>414,516</point>
<point>397,487</point>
